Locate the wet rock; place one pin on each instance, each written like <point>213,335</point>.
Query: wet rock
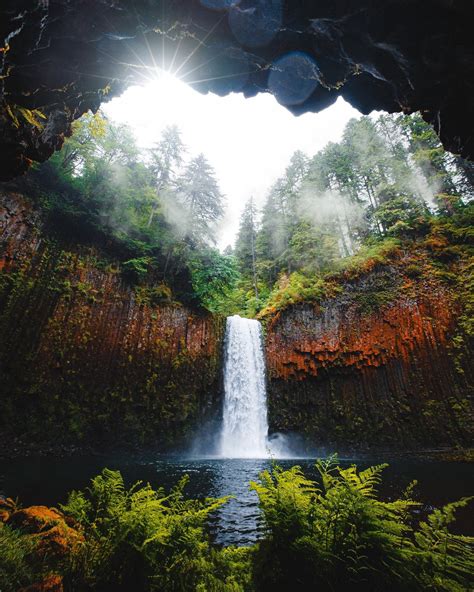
<point>350,378</point>
<point>88,361</point>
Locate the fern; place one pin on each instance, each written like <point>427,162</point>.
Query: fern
<point>343,538</point>
<point>140,538</point>
<point>16,569</point>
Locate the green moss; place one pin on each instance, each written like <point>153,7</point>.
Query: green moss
<point>373,253</point>
<point>153,295</point>
<point>298,288</point>
<point>378,291</point>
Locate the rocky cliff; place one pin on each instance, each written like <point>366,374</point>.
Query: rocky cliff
<point>86,359</point>
<point>350,374</point>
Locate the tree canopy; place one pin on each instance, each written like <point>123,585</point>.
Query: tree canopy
<point>387,179</point>
<point>157,210</point>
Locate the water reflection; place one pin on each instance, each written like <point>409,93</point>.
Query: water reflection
<point>238,520</point>
<point>47,481</point>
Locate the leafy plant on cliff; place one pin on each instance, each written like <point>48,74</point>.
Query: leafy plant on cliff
<point>213,277</point>
<point>296,288</point>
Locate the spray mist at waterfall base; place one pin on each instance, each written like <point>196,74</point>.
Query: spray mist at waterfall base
<point>243,431</point>
<point>207,446</point>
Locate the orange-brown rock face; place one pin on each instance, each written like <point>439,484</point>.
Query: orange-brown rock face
<point>84,358</point>
<point>52,536</point>
<point>349,378</point>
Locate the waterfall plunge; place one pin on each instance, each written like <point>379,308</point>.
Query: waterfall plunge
<point>245,424</point>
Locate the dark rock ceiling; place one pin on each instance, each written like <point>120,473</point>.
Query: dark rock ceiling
<point>59,58</point>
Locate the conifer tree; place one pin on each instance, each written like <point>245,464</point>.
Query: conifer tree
<point>166,157</point>
<point>245,246</point>
<point>201,196</point>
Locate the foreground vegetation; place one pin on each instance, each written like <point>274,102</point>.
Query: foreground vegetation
<point>331,535</point>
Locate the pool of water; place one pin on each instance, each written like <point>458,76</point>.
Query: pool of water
<point>46,480</point>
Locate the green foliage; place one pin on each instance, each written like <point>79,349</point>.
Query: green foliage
<point>377,291</point>
<point>154,295</point>
<point>136,270</point>
<point>340,536</point>
<point>151,212</point>
<point>333,534</point>
<point>349,208</point>
<point>16,568</point>
<point>201,196</point>
<point>451,245</point>
<point>372,254</point>
<point>213,277</point>
<point>400,214</point>
<point>158,212</point>
<point>313,249</point>
<point>298,288</point>
<point>144,539</point>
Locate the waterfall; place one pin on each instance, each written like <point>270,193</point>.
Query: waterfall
<point>245,424</point>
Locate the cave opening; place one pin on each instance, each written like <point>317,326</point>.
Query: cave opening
<point>247,141</point>
<point>168,168</point>
<point>59,59</point>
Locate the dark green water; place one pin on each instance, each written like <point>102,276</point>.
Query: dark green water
<point>47,480</point>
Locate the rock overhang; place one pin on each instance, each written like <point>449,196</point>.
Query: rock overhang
<point>60,58</point>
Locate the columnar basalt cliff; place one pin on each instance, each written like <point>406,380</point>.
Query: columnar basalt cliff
<point>85,359</point>
<point>349,376</point>
<point>59,58</point>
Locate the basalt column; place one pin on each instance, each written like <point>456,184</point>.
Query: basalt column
<point>388,378</point>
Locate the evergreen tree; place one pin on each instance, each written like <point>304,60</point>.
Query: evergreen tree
<point>166,157</point>
<point>435,163</point>
<point>200,193</point>
<point>245,246</point>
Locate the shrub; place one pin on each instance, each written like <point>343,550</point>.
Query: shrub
<point>16,568</point>
<point>335,535</point>
<point>142,539</point>
<point>341,537</point>
<point>373,253</point>
<point>135,270</point>
<point>297,288</point>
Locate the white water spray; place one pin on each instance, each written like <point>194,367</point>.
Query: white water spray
<point>245,423</point>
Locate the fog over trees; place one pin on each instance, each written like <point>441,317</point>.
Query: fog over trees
<point>386,179</point>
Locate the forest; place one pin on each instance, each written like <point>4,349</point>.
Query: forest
<point>388,182</point>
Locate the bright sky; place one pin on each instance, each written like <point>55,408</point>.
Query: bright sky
<point>249,142</point>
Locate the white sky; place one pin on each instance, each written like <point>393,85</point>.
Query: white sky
<point>249,142</point>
